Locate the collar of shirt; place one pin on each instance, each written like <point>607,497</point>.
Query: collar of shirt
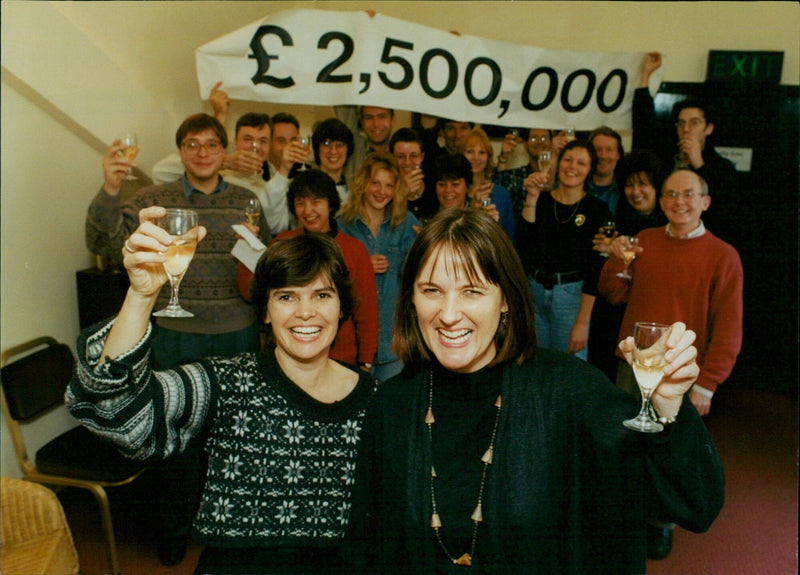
<point>188,189</point>
<point>695,233</point>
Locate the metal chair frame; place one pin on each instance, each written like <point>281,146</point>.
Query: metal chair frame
<point>30,472</point>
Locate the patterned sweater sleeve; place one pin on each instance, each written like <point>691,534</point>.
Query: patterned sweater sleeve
<point>147,415</point>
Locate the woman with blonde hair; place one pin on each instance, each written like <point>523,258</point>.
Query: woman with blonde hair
<point>493,197</point>
<point>377,214</point>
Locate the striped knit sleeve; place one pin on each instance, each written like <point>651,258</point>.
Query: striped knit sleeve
<point>145,414</point>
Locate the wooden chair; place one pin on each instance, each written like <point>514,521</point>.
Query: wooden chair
<point>34,384</point>
<point>34,534</point>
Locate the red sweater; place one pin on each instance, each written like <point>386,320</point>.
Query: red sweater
<point>357,340</point>
<point>697,281</point>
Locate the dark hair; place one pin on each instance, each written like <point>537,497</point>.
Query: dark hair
<point>200,123</point>
<point>475,244</point>
<point>446,121</point>
<point>453,167</point>
<point>252,120</point>
<point>298,261</point>
<point>701,103</point>
<point>314,184</point>
<point>405,135</point>
<point>647,162</point>
<point>284,118</point>
<point>334,130</point>
<point>361,110</point>
<point>586,146</point>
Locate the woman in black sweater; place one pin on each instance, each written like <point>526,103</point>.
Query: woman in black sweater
<point>486,451</point>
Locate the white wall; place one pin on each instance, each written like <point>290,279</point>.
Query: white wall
<point>77,74</point>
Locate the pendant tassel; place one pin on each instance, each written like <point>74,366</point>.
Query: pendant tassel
<point>465,560</point>
<point>487,457</point>
<point>433,471</point>
<point>477,515</point>
<point>435,521</point>
<point>429,419</point>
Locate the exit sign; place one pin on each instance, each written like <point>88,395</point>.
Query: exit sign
<point>744,67</point>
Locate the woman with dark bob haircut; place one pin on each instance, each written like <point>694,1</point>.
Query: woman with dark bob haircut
<point>280,427</point>
<point>486,452</point>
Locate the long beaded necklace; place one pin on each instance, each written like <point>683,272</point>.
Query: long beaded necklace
<point>477,514</point>
<point>574,210</point>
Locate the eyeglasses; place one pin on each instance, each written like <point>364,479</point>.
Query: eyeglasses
<point>687,195</point>
<point>693,123</point>
<point>542,139</point>
<point>194,146</point>
<point>408,157</point>
<point>335,144</point>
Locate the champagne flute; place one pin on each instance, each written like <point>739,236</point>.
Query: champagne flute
<point>130,150</point>
<point>252,211</point>
<point>607,229</point>
<point>182,226</point>
<point>650,345</point>
<point>629,252</point>
<point>545,161</point>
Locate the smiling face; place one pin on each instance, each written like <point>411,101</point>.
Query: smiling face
<point>458,316</point>
<point>640,193</point>
<point>452,193</point>
<point>377,124</point>
<point>380,189</point>
<point>304,319</point>
<point>332,155</point>
<point>574,167</point>
<point>454,134</point>
<point>408,155</point>
<point>538,141</point>
<point>607,150</point>
<point>477,155</point>
<point>201,165</point>
<point>313,213</point>
<point>248,136</point>
<point>686,208</point>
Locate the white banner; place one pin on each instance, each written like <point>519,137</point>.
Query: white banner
<point>321,57</point>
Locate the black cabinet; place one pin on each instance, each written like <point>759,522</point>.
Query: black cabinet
<point>100,294</point>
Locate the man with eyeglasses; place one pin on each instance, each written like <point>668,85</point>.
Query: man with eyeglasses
<point>223,323</point>
<point>682,272</point>
<point>536,140</point>
<point>694,121</point>
<point>406,146</point>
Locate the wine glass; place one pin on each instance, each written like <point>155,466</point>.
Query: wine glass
<point>607,229</point>
<point>629,252</point>
<point>569,132</point>
<point>129,150</point>
<point>182,226</point>
<point>305,141</point>
<point>545,161</point>
<point>650,345</point>
<point>252,211</point>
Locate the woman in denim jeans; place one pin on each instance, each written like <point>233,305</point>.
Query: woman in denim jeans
<point>554,241</point>
<point>376,214</point>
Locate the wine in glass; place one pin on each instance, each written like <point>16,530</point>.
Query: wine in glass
<point>650,345</point>
<point>569,132</point>
<point>130,149</point>
<point>607,229</point>
<point>252,211</point>
<point>629,253</point>
<point>305,141</point>
<point>545,161</point>
<point>182,226</point>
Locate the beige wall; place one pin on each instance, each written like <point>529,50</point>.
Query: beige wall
<point>76,74</point>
